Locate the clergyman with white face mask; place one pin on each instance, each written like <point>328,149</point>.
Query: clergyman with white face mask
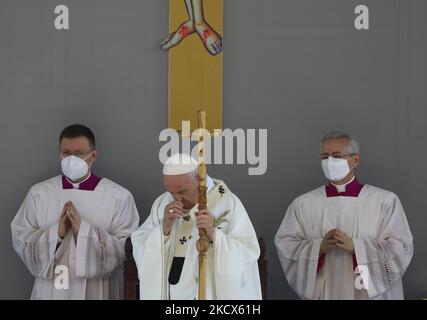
<point>345,240</point>
<point>70,230</point>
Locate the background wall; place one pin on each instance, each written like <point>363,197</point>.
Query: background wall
<point>296,67</point>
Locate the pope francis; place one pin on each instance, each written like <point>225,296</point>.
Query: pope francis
<point>164,247</point>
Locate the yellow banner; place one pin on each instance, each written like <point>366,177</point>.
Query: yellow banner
<point>195,62</point>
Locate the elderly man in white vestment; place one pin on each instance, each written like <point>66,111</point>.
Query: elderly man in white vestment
<point>346,240</point>
<point>164,247</point>
<point>71,229</point>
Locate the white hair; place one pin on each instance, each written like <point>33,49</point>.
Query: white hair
<point>353,144</point>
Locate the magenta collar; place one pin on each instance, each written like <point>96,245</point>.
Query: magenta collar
<point>352,190</point>
<point>88,185</point>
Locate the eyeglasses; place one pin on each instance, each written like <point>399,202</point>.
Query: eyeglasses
<point>336,155</point>
<point>80,154</point>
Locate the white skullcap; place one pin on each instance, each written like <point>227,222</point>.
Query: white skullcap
<point>179,163</point>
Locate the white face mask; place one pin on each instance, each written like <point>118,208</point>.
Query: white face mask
<point>335,169</point>
<point>74,167</point>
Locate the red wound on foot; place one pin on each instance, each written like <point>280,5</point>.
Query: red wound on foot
<point>184,31</point>
<point>205,35</point>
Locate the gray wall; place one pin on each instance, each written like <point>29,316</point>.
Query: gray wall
<point>295,67</point>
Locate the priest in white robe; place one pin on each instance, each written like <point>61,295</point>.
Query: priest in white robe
<point>164,247</point>
<point>346,240</point>
<point>70,230</point>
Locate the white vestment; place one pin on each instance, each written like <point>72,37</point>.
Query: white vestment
<point>108,216</point>
<point>231,262</point>
<point>376,222</point>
